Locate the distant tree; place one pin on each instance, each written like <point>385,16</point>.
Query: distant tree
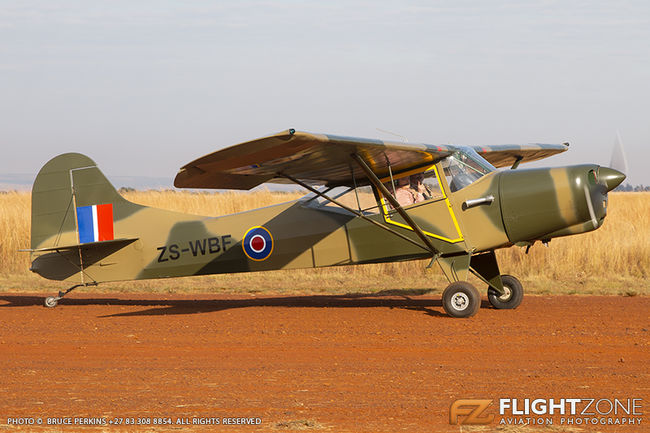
<point>629,188</point>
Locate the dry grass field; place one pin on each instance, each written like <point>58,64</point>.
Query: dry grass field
<point>614,259</point>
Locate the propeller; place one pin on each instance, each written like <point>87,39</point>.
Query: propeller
<point>618,160</point>
<point>607,179</point>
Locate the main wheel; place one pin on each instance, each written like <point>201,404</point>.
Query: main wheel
<point>461,299</point>
<point>511,298</point>
<point>51,301</point>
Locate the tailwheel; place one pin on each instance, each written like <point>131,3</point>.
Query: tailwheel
<point>461,299</point>
<point>51,302</point>
<point>514,294</point>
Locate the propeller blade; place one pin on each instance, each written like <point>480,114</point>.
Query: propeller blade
<point>618,160</point>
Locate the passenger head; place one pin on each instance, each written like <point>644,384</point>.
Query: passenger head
<point>403,181</point>
<point>416,179</point>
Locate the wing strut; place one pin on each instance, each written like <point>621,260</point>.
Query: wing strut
<point>355,212</point>
<point>518,159</point>
<point>380,186</point>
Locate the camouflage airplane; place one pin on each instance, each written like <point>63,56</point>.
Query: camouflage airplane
<point>370,201</point>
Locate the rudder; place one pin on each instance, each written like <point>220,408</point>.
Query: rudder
<point>65,184</point>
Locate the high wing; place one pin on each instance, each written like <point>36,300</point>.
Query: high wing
<point>508,154</point>
<point>312,158</point>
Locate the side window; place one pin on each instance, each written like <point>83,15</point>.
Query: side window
<point>432,187</point>
<point>366,202</point>
<point>415,188</point>
<point>362,199</point>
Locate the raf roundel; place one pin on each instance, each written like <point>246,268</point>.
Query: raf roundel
<point>258,243</point>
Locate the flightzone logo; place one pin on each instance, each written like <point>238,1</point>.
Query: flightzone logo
<point>540,411</point>
<point>471,411</point>
<point>95,223</point>
<point>257,243</point>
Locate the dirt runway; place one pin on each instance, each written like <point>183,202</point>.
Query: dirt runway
<point>310,363</point>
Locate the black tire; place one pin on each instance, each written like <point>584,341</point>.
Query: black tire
<point>513,297</point>
<point>461,299</point>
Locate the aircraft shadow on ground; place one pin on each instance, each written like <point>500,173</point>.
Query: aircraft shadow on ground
<point>161,307</point>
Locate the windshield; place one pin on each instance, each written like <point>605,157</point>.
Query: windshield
<point>465,167</point>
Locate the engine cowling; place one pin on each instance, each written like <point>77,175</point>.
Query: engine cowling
<point>542,203</point>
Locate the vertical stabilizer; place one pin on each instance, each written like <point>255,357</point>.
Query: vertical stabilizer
<point>66,192</point>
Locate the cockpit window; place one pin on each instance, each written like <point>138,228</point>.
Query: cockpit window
<point>416,188</point>
<point>362,199</point>
<point>465,167</point>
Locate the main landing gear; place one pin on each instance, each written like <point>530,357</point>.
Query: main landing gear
<point>514,294</point>
<point>462,299</point>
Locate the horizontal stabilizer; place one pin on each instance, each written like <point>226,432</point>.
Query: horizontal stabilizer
<point>87,245</point>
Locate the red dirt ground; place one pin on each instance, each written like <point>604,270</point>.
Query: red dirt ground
<point>312,363</point>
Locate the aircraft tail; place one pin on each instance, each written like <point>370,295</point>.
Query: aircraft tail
<point>73,203</point>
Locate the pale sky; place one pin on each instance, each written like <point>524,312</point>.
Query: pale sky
<point>143,87</point>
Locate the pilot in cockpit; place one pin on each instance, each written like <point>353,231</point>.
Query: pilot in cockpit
<point>404,194</point>
<point>421,189</point>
